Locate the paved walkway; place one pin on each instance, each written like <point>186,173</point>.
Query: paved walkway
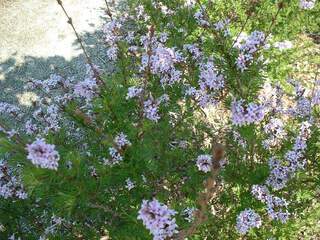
<point>35,40</point>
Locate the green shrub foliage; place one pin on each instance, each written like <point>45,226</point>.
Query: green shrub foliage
<point>203,129</point>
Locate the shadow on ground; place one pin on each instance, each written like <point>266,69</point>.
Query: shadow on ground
<point>13,75</point>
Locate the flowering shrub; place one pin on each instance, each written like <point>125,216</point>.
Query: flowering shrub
<point>197,133</point>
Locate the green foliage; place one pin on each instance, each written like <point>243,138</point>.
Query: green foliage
<point>99,204</point>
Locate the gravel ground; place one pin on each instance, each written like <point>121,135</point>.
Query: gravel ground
<point>36,40</point>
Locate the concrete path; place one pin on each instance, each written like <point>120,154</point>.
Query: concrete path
<point>36,40</point>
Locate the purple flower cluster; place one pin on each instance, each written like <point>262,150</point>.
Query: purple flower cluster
<point>237,138</point>
<point>276,207</point>
<point>281,172</point>
<point>42,154</point>
<point>248,48</point>
<point>276,133</point>
<point>134,92</point>
<point>247,220</point>
<point>115,157</point>
<point>48,115</point>
<point>121,140</point>
<point>162,62</point>
<point>211,83</point>
<point>150,110</point>
<point>307,4</point>
<point>223,26</point>
<point>210,79</point>
<point>194,50</point>
<point>120,143</point>
<point>204,163</point>
<point>6,108</point>
<point>129,184</point>
<point>246,114</point>
<point>203,98</point>
<point>86,89</point>
<point>10,184</point>
<point>158,219</point>
<point>111,35</point>
<point>200,18</point>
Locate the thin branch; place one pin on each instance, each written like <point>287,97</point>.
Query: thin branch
<point>242,28</point>
<point>109,10</point>
<point>210,191</point>
<point>96,74</point>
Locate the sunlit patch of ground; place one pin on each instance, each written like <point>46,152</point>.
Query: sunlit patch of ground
<point>36,40</point>
<point>27,98</point>
<point>39,28</point>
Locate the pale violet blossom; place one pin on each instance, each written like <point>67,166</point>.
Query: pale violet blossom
<point>158,219</point>
<point>307,4</point>
<point>43,155</point>
<point>129,184</point>
<point>247,220</point>
<point>204,163</point>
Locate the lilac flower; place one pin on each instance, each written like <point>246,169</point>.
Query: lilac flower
<point>246,114</point>
<point>249,45</point>
<point>201,96</point>
<point>6,108</point>
<point>276,207</point>
<point>223,25</point>
<point>307,4</point>
<point>199,16</point>
<point>52,82</point>
<point>115,156</point>
<point>30,127</point>
<point>276,132</point>
<point>173,76</point>
<point>260,192</point>
<point>52,118</point>
<point>204,163</point>
<point>279,174</point>
<point>162,59</point>
<point>86,89</point>
<point>10,183</point>
<point>316,98</point>
<point>110,31</point>
<point>247,220</point>
<point>129,184</point>
<point>134,92</point>
<point>151,110</point>
<point>210,78</point>
<point>158,219</point>
<point>275,127</point>
<point>112,53</point>
<point>42,154</point>
<point>303,107</point>
<point>121,140</point>
<point>194,50</point>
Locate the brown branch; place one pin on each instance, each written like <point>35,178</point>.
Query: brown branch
<point>242,28</point>
<point>210,191</point>
<point>95,72</point>
<point>108,10</point>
